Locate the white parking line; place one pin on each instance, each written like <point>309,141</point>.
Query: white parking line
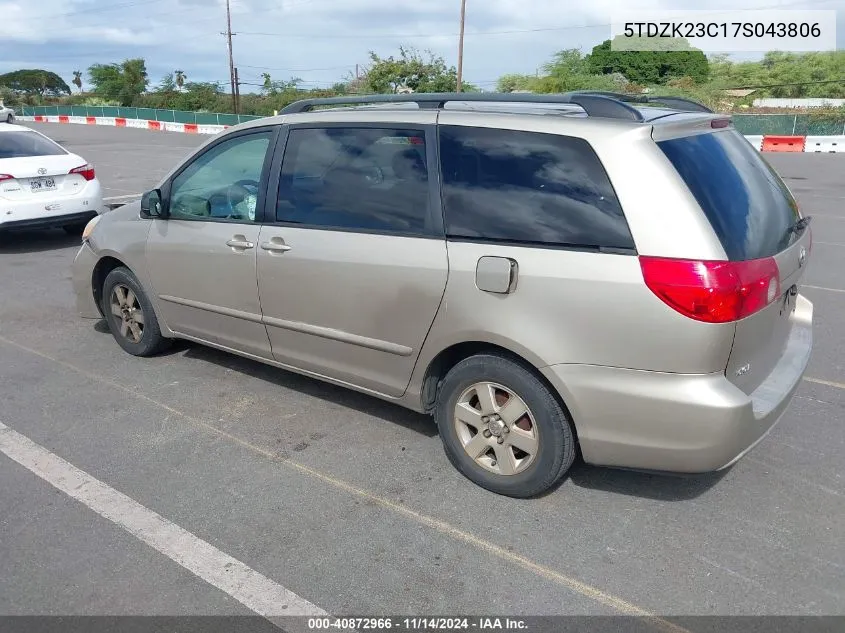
<point>127,197</point>
<point>217,568</point>
<point>822,288</point>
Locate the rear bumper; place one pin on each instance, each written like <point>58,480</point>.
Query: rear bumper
<point>678,422</point>
<point>49,210</point>
<point>82,273</point>
<point>49,222</point>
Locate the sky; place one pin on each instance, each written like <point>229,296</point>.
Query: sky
<point>318,41</point>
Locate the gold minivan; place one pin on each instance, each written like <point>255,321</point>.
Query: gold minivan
<point>544,274</point>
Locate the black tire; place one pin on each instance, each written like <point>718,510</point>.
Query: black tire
<point>151,341</point>
<point>556,450</point>
<point>10,119</point>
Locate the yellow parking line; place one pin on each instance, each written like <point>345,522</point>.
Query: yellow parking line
<point>829,383</point>
<point>438,525</point>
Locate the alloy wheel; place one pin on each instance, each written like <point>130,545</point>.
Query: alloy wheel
<point>496,428</point>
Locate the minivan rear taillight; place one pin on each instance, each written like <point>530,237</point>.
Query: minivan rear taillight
<point>86,171</point>
<point>713,291</point>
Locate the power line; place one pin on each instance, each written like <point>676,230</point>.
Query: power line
<point>298,70</point>
<point>796,83</point>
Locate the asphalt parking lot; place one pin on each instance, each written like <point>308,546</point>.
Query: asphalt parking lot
<point>350,502</point>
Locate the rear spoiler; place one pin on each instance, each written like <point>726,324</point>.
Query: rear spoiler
<point>669,127</point>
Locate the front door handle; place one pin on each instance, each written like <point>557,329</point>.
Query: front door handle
<point>276,245</point>
<point>239,242</point>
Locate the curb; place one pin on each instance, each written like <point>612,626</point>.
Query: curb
<point>798,144</point>
<point>763,143</point>
<point>142,124</point>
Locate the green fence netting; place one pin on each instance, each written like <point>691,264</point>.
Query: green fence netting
<point>749,124</point>
<point>151,114</point>
<point>790,124</point>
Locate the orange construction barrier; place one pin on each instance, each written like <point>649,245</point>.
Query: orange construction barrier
<point>784,143</point>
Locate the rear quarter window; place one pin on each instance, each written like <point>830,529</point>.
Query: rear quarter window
<point>528,188</point>
<point>746,202</point>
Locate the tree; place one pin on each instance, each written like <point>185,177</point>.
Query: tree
<point>270,88</point>
<point>121,82</point>
<point>650,66</point>
<point>167,84</point>
<point>199,95</point>
<point>35,82</point>
<point>570,70</point>
<point>421,72</point>
<point>569,61</point>
<point>180,79</point>
<point>77,79</point>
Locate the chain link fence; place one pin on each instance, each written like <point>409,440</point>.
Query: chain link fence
<point>749,124</point>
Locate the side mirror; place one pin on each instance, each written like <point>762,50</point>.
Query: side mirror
<point>151,204</point>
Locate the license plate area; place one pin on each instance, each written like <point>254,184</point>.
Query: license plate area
<point>39,185</point>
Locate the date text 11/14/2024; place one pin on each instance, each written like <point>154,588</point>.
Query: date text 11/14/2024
<point>418,624</point>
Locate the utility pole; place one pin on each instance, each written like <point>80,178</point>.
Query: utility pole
<point>231,58</point>
<point>237,92</point>
<point>461,44</point>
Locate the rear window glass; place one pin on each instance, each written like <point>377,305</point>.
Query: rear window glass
<point>24,144</point>
<point>747,203</point>
<point>528,188</point>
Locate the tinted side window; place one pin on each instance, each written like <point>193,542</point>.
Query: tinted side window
<point>529,188</point>
<point>748,205</point>
<point>369,179</point>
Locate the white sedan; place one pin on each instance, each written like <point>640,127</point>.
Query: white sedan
<point>42,185</point>
<point>7,115</point>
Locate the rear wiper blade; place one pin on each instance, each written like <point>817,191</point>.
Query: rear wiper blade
<point>800,225</point>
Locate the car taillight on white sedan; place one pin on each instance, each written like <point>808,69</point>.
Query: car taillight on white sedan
<point>6,177</point>
<point>86,171</point>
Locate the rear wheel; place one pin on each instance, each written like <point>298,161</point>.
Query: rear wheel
<point>10,118</point>
<point>502,427</point>
<point>130,315</point>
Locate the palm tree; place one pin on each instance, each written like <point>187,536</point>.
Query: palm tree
<point>77,79</point>
<point>180,79</point>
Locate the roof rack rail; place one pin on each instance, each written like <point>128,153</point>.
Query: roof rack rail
<point>595,105</point>
<point>679,103</point>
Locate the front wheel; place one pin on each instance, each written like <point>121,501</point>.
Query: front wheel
<point>502,427</point>
<point>10,119</point>
<point>130,314</point>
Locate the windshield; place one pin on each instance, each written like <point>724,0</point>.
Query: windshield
<point>25,144</point>
<point>748,205</point>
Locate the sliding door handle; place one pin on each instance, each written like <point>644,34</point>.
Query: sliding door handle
<point>240,243</point>
<point>275,247</point>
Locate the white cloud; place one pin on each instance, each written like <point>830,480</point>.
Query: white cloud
<point>319,41</point>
